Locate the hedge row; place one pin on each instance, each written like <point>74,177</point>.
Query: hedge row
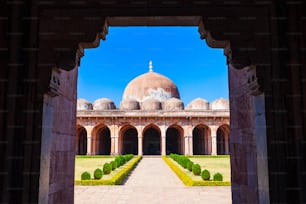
<point>117,179</point>
<point>188,181</point>
<point>186,163</point>
<point>108,167</point>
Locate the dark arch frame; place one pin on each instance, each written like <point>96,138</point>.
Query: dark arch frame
<point>175,140</point>
<point>101,140</point>
<point>81,140</point>
<point>201,140</point>
<point>128,140</point>
<point>222,135</point>
<point>152,141</point>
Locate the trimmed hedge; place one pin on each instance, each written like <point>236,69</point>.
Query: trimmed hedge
<point>196,169</point>
<point>218,177</point>
<point>114,165</point>
<point>189,165</point>
<point>205,175</point>
<point>184,177</point>
<point>98,173</point>
<point>188,181</point>
<point>107,168</point>
<point>85,176</point>
<point>117,179</point>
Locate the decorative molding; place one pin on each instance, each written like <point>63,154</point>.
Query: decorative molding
<point>253,86</point>
<point>213,43</point>
<point>54,84</point>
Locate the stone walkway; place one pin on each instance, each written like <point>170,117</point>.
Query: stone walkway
<point>152,181</point>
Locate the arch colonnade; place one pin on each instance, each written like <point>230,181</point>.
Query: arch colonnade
<point>152,139</point>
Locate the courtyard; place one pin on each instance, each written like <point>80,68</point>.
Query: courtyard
<point>152,181</point>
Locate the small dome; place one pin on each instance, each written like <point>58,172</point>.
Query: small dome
<point>151,104</point>
<point>129,104</point>
<point>104,104</point>
<point>173,104</point>
<point>220,104</point>
<point>83,104</point>
<point>198,104</point>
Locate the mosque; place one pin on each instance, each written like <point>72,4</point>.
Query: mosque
<point>152,120</point>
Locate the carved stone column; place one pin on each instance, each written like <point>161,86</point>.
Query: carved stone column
<point>213,130</point>
<point>89,139</point>
<point>163,130</point>
<point>140,151</point>
<point>114,140</point>
<point>190,145</point>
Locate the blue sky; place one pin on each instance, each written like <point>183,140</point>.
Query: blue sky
<point>176,52</point>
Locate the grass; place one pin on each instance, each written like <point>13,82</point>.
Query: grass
<point>90,163</point>
<point>213,164</point>
<point>116,177</point>
<point>188,178</point>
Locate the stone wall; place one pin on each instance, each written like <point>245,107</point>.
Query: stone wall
<point>58,142</point>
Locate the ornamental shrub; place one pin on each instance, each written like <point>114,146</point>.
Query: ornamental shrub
<point>189,165</point>
<point>114,165</point>
<point>121,160</point>
<point>205,175</point>
<point>107,168</point>
<point>196,169</point>
<point>218,177</point>
<point>117,160</point>
<point>98,173</point>
<point>128,157</point>
<point>85,176</point>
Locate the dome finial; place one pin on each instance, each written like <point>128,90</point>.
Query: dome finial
<point>150,66</point>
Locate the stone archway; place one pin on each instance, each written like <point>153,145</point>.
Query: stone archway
<point>223,140</point>
<point>174,140</point>
<point>81,141</point>
<point>101,143</point>
<point>129,140</point>
<point>151,140</point>
<point>201,141</point>
<point>254,39</point>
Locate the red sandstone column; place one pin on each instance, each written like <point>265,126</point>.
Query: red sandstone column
<point>190,145</point>
<point>163,140</point>
<point>140,140</point>
<point>89,139</point>
<point>114,140</point>
<point>186,138</point>
<point>140,153</point>
<point>213,130</point>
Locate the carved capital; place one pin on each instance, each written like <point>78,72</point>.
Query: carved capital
<point>253,86</point>
<point>236,50</point>
<point>55,82</point>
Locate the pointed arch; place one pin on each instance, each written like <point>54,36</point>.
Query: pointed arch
<point>81,141</point>
<point>175,140</point>
<point>151,140</point>
<point>223,139</point>
<point>128,140</point>
<point>101,140</point>
<point>201,137</point>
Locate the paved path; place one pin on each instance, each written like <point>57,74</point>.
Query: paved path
<point>152,181</point>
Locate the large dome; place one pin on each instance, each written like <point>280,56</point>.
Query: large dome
<point>151,86</point>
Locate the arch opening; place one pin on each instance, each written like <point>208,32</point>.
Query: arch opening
<point>102,145</point>
<point>151,142</point>
<point>129,141</point>
<point>223,140</point>
<point>174,141</point>
<point>201,143</point>
<point>81,141</point>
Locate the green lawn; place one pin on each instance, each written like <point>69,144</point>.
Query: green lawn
<point>90,163</point>
<point>214,164</point>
